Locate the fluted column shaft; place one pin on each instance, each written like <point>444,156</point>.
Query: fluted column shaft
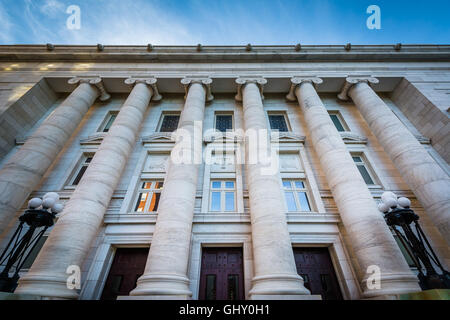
<point>24,171</point>
<point>370,238</point>
<point>425,177</point>
<point>77,227</point>
<point>165,273</point>
<point>274,264</point>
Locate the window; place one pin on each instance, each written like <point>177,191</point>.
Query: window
<point>224,122</point>
<point>406,251</point>
<point>278,122</point>
<point>338,121</point>
<point>296,195</point>
<point>223,196</point>
<point>81,170</point>
<point>363,170</point>
<point>34,252</point>
<point>169,123</point>
<point>107,123</point>
<point>148,196</point>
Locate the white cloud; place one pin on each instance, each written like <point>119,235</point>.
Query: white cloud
<point>123,22</point>
<point>5,26</point>
<point>52,8</point>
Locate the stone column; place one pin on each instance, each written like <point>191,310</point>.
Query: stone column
<point>78,224</point>
<point>429,182</point>
<point>370,238</point>
<point>274,265</point>
<point>23,172</point>
<point>165,275</point>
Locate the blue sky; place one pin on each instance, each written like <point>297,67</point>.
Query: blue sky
<point>224,22</point>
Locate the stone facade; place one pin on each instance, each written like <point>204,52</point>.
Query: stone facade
<point>142,87</point>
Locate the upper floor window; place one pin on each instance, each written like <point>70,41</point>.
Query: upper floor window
<point>278,122</point>
<point>224,122</point>
<point>149,194</point>
<point>360,164</point>
<point>338,121</point>
<point>107,123</point>
<point>81,169</point>
<point>296,195</point>
<point>169,123</point>
<point>223,196</point>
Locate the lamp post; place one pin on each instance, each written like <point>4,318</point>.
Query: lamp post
<point>397,213</point>
<point>40,213</point>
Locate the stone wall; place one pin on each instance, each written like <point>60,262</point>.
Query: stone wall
<point>424,101</point>
<point>22,105</point>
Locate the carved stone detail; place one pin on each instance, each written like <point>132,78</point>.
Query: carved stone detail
<point>295,81</point>
<point>223,137</point>
<point>351,81</point>
<point>205,81</point>
<point>96,81</point>
<point>287,137</point>
<point>151,81</point>
<point>159,137</point>
<point>352,138</point>
<point>260,82</point>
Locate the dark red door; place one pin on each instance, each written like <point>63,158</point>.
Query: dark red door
<point>222,276</point>
<point>316,269</point>
<point>128,265</point>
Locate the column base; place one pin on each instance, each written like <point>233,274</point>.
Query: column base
<point>162,285</point>
<point>46,286</point>
<point>392,284</point>
<point>278,286</point>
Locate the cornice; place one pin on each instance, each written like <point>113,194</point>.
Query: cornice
<point>308,53</point>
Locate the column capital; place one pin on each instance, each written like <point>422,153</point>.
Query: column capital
<point>150,81</point>
<point>205,81</point>
<point>95,81</point>
<point>350,81</point>
<point>296,81</point>
<point>259,81</point>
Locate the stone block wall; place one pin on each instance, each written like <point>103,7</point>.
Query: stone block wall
<point>425,101</point>
<point>18,118</point>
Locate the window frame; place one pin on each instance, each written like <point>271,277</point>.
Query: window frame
<point>295,190</point>
<point>368,167</point>
<point>76,171</point>
<point>161,120</point>
<point>150,192</point>
<point>223,191</point>
<point>279,113</point>
<point>106,120</point>
<point>223,113</point>
<point>341,120</point>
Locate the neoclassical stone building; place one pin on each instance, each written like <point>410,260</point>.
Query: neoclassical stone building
<point>96,125</point>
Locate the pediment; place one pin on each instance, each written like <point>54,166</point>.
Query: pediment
<point>20,140</point>
<point>223,137</point>
<point>422,139</point>
<point>93,139</point>
<point>160,137</point>
<point>287,137</point>
<point>352,138</point>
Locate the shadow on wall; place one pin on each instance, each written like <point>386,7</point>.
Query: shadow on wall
<point>18,118</point>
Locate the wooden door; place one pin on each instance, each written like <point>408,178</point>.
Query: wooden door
<point>316,268</point>
<point>128,265</point>
<point>222,276</point>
